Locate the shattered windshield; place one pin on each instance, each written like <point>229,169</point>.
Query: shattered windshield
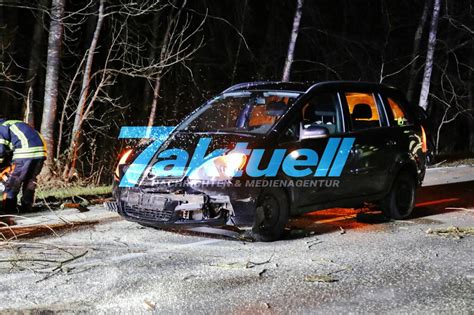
<point>243,111</point>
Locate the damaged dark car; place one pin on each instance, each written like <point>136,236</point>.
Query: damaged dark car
<point>285,149</point>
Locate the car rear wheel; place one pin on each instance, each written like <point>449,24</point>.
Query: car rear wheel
<point>271,215</point>
<point>400,201</point>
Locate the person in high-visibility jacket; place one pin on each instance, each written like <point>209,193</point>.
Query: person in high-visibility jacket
<point>27,150</point>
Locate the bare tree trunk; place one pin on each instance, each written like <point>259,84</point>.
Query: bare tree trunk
<point>425,87</point>
<point>470,99</point>
<point>163,54</point>
<point>148,88</point>
<point>51,82</point>
<point>154,103</point>
<point>291,46</point>
<point>416,49</point>
<point>62,119</point>
<point>79,116</point>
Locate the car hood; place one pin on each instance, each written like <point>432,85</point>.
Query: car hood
<point>188,142</point>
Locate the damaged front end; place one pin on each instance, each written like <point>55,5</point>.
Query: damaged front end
<point>188,198</point>
<point>180,207</point>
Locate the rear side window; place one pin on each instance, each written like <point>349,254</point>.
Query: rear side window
<point>364,110</point>
<point>400,118</point>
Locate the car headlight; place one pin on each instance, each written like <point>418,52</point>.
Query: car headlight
<point>123,160</point>
<point>223,167</point>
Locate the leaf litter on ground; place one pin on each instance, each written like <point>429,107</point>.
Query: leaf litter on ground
<point>452,232</point>
<point>320,278</point>
<point>243,265</point>
<point>327,277</point>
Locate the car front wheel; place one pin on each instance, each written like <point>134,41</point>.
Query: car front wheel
<point>271,215</point>
<point>400,201</point>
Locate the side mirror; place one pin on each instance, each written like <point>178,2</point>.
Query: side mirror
<point>276,109</point>
<point>312,132</point>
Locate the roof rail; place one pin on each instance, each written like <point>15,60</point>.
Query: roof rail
<point>372,85</point>
<point>247,84</point>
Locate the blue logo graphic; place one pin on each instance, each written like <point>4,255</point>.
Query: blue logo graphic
<point>225,164</point>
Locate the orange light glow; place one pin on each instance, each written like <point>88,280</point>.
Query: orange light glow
<point>123,159</point>
<point>362,98</point>
<point>424,145</point>
<point>436,202</point>
<point>4,174</point>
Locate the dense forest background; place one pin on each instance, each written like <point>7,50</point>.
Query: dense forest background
<point>79,70</point>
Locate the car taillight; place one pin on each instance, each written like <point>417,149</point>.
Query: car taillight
<point>123,159</point>
<point>424,144</point>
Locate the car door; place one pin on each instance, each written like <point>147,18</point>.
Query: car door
<point>402,129</point>
<point>323,109</point>
<point>371,155</point>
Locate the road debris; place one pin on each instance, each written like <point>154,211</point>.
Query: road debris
<point>342,231</point>
<point>241,265</point>
<point>82,208</point>
<point>313,243</point>
<point>151,306</point>
<point>35,230</point>
<point>320,278</point>
<point>452,232</point>
<point>39,258</point>
<point>189,277</point>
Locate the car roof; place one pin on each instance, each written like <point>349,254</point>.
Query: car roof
<point>356,86</point>
<point>307,86</point>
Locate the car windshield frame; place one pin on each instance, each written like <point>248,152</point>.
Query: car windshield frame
<point>250,94</point>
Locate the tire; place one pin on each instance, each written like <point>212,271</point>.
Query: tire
<point>400,201</point>
<point>271,215</point>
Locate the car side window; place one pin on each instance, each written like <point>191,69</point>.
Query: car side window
<point>400,118</point>
<point>322,110</point>
<point>365,111</point>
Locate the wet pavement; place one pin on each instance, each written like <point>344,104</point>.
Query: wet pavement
<point>335,260</point>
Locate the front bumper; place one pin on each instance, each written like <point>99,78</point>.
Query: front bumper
<point>172,209</point>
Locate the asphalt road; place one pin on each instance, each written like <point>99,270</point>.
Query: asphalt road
<point>337,260</point>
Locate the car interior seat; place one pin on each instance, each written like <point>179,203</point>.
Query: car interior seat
<point>322,114</point>
<point>362,117</point>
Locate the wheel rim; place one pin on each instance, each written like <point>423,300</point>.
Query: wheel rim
<point>404,196</point>
<point>271,211</point>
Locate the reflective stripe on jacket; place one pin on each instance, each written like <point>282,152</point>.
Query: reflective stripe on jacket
<point>21,139</point>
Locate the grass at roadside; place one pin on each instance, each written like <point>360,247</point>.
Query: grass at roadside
<point>62,193</point>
